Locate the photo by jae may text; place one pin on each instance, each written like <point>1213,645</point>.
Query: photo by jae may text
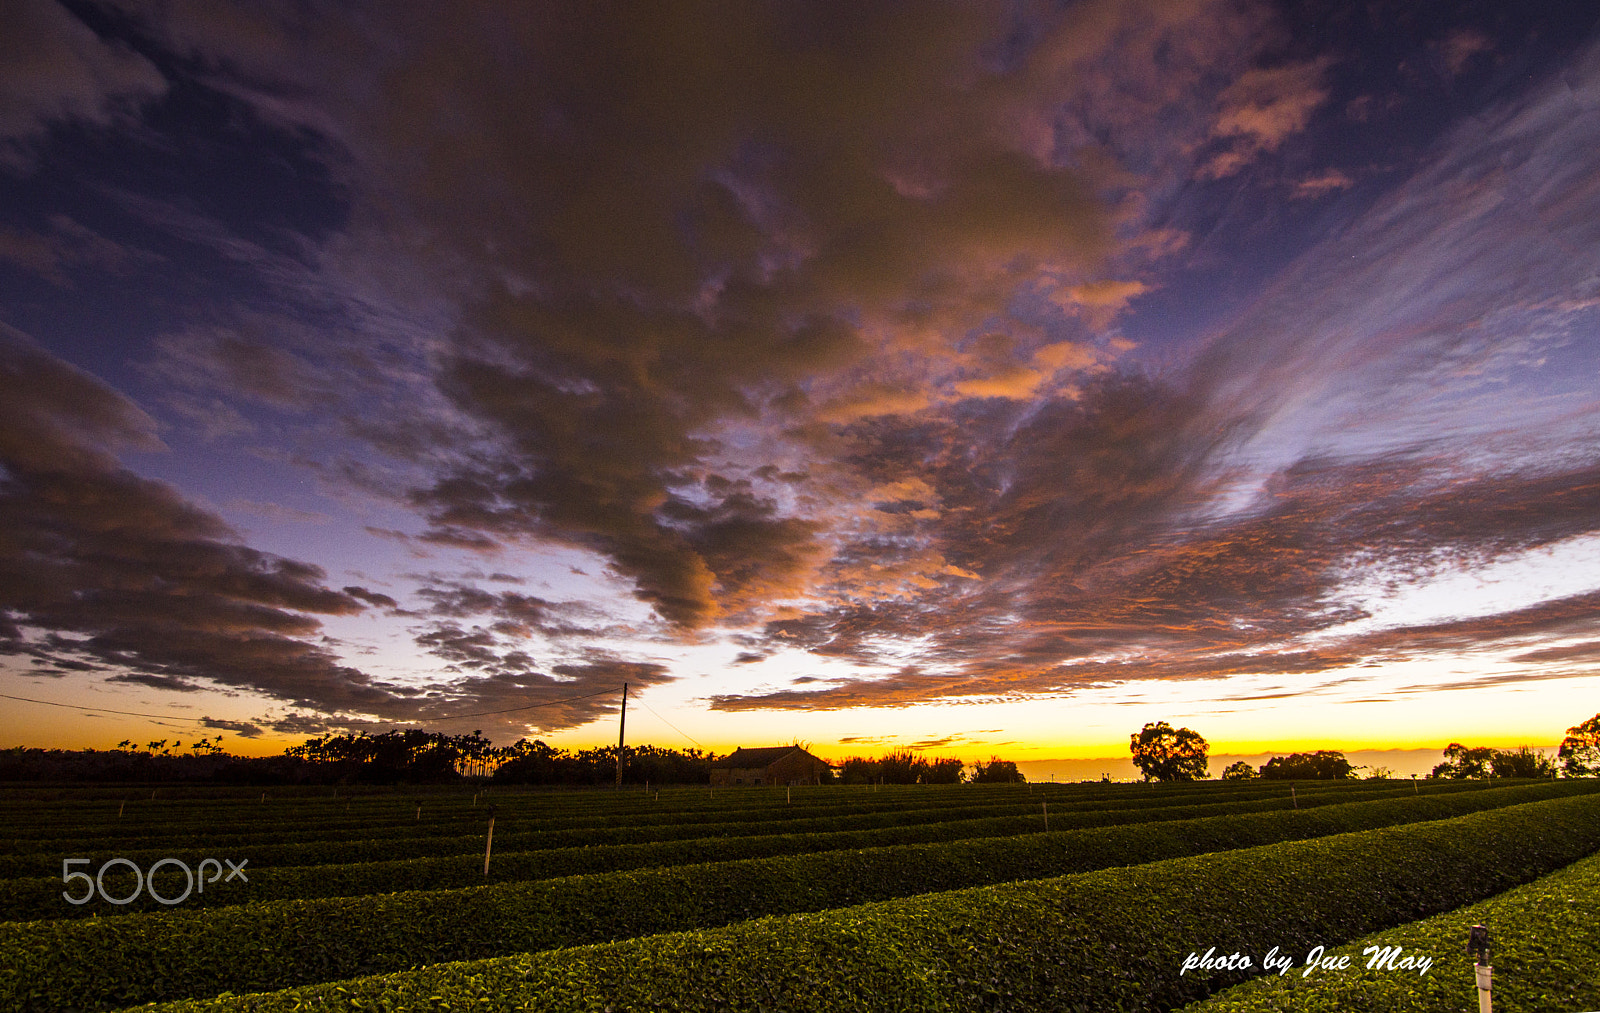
<point>1378,958</point>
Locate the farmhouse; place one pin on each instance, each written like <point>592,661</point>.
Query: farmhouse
<point>768,765</point>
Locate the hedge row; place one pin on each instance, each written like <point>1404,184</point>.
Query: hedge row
<point>1108,940</point>
<point>461,840</point>
<point>396,820</point>
<point>41,897</point>
<point>1543,936</point>
<point>263,852</point>
<point>258,827</point>
<point>243,829</point>
<point>328,822</point>
<point>126,959</point>
<point>262,824</point>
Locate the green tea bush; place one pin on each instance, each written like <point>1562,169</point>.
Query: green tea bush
<point>130,958</point>
<point>1544,940</point>
<point>40,897</point>
<point>1108,940</point>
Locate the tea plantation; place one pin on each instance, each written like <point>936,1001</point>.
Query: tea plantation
<point>961,897</point>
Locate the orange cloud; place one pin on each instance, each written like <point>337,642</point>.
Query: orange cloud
<point>1261,110</point>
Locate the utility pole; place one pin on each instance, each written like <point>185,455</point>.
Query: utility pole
<point>622,730</point>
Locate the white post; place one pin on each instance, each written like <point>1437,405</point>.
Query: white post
<point>489,843</point>
<point>1478,946</point>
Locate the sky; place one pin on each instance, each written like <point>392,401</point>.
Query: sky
<point>984,379</point>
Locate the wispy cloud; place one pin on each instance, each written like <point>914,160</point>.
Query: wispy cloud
<point>57,70</point>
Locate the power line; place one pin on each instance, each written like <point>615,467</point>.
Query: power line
<point>669,724</point>
<point>528,707</point>
<point>177,717</point>
<point>102,710</point>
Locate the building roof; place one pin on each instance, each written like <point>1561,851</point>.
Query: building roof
<point>761,757</point>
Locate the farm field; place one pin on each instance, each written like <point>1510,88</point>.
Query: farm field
<point>678,899</point>
<point>1545,940</point>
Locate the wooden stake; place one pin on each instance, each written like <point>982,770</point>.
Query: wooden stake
<point>1294,796</point>
<point>419,812</point>
<point>1046,816</point>
<point>489,843</point>
<point>788,795</point>
<point>119,808</point>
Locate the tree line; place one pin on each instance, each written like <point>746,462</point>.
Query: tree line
<point>1164,753</point>
<point>902,766</point>
<point>413,756</point>
<point>417,756</point>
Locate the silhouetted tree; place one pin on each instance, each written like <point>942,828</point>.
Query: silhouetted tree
<point>947,770</point>
<point>900,766</point>
<point>1580,750</point>
<point>1523,761</point>
<point>1238,771</point>
<point>537,762</point>
<point>996,771</point>
<point>412,755</point>
<point>1165,753</point>
<point>1322,765</point>
<point>858,770</point>
<point>1463,762</point>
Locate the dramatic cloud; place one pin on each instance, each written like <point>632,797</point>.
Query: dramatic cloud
<point>124,571</point>
<point>882,353</point>
<point>1268,592</point>
<point>54,68</point>
<point>121,571</point>
<point>696,238</point>
<point>1235,526</point>
<point>245,729</point>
